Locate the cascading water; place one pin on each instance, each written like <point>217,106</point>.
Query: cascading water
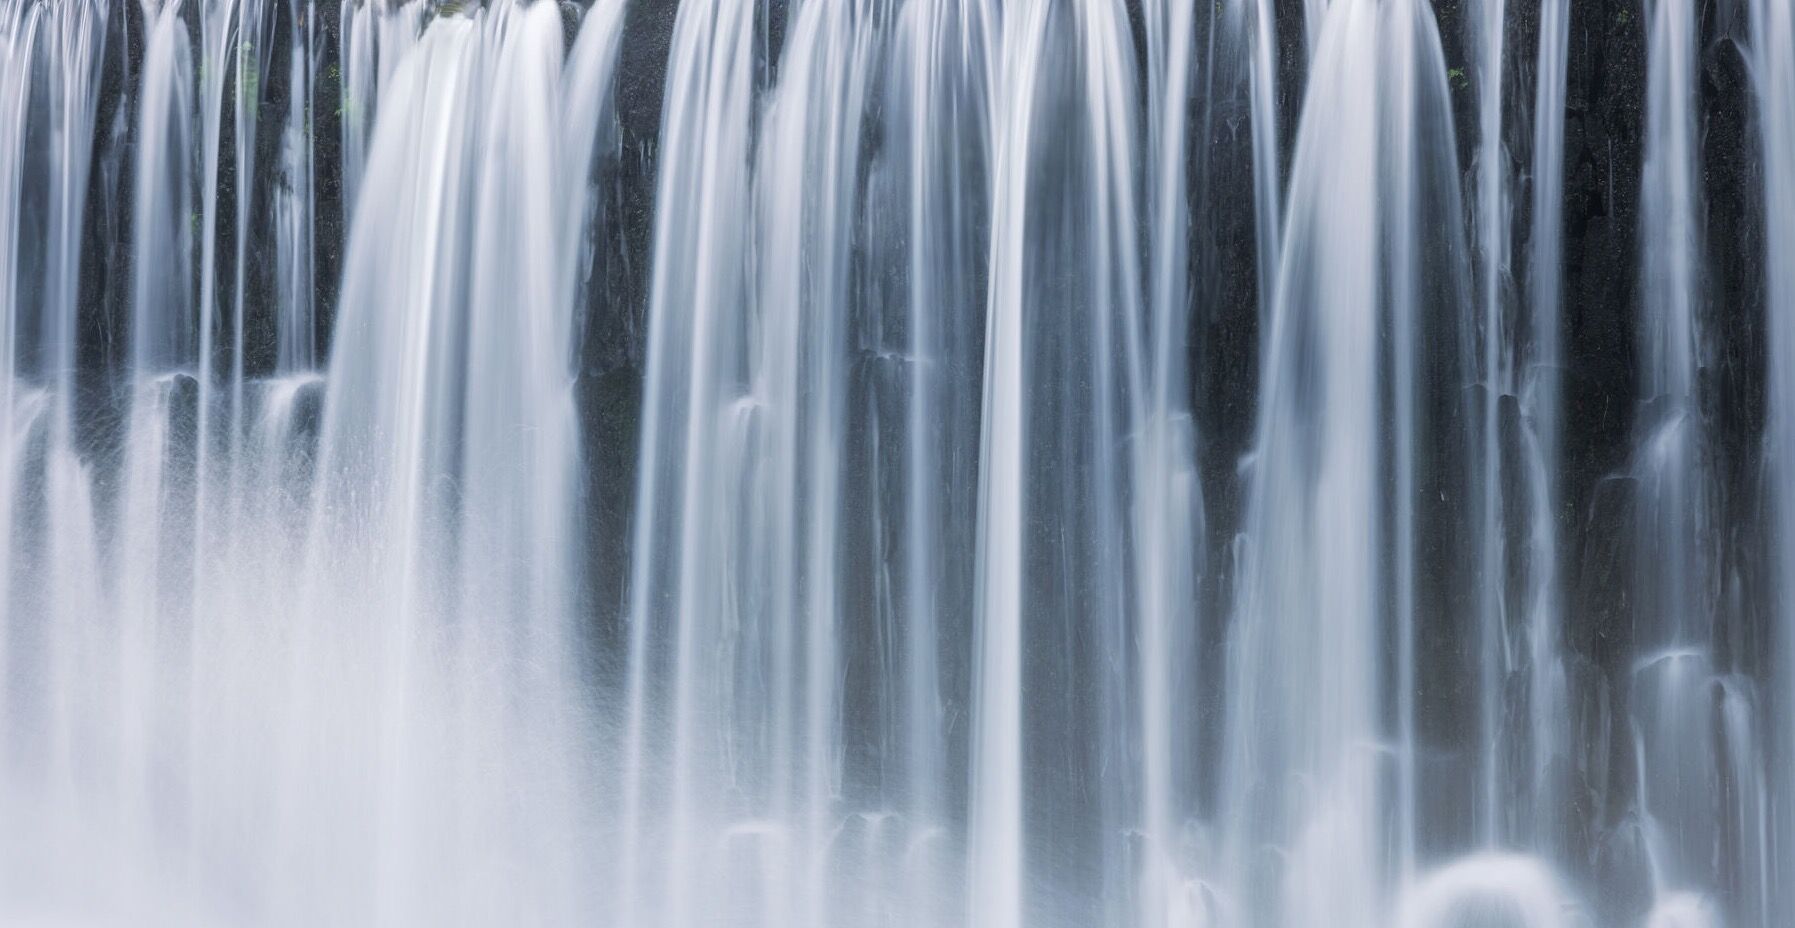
<point>1773,59</point>
<point>1155,464</point>
<point>1338,430</point>
<point>1669,702</point>
<point>277,697</point>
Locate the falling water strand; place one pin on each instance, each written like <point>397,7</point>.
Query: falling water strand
<point>1267,175</point>
<point>1367,178</point>
<point>947,146</point>
<point>1672,673</point>
<point>1298,716</point>
<point>1168,518</point>
<point>1773,44</point>
<point>374,35</point>
<point>1549,736</point>
<point>1497,383</point>
<point>696,317</point>
<point>295,216</point>
<point>995,830</point>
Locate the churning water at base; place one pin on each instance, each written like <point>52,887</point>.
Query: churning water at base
<point>1093,463</point>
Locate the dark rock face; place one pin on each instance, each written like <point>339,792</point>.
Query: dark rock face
<point>1605,106</point>
<point>1605,113</point>
<point>615,331</point>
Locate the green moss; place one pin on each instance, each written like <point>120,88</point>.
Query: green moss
<point>249,79</point>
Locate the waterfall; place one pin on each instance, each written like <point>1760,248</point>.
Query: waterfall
<point>1306,665</point>
<point>929,463</point>
<point>1773,44</point>
<point>48,72</point>
<point>1497,376</point>
<point>1674,621</point>
<point>676,581</point>
<point>272,671</point>
<point>940,169</point>
<point>1541,397</point>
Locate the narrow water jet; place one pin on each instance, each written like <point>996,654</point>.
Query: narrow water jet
<point>1773,60</point>
<point>1673,628</point>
